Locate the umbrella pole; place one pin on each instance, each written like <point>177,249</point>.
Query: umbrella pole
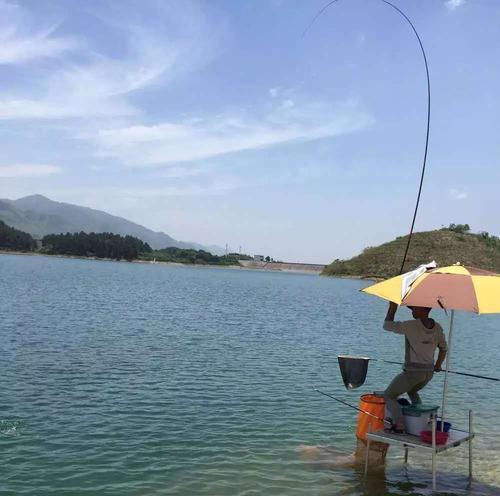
<point>445,386</point>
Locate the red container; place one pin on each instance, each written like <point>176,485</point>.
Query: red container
<point>441,437</point>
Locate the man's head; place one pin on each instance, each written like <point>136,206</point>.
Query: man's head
<point>420,312</point>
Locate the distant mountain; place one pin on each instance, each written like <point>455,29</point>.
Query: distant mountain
<point>38,215</point>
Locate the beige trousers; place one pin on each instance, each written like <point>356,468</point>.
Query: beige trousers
<point>407,382</point>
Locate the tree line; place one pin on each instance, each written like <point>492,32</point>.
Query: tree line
<point>100,245</point>
<point>108,245</point>
<point>485,236</point>
<point>191,256</point>
<point>14,239</point>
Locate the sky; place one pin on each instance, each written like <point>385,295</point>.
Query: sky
<point>219,122</point>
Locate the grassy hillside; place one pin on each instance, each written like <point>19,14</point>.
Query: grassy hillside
<point>445,246</point>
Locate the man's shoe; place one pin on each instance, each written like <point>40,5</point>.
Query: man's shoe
<point>394,429</point>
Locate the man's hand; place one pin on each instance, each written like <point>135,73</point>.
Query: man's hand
<point>391,312</point>
<point>439,361</point>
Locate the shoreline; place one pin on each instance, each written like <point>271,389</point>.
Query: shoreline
<point>148,262</point>
<point>100,259</point>
<point>356,278</point>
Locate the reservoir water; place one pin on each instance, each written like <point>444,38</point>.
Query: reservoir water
<point>138,379</point>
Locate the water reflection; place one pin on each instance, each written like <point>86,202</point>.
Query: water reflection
<point>384,481</point>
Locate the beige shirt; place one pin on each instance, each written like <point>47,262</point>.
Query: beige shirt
<point>421,343</point>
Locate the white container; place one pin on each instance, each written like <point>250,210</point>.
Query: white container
<point>417,418</point>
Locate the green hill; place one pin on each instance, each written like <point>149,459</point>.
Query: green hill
<point>445,246</point>
<point>39,216</point>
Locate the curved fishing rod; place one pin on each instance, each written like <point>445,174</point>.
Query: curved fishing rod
<point>424,163</point>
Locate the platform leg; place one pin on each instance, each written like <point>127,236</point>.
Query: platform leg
<point>470,445</point>
<point>433,471</point>
<point>367,456</point>
<point>406,455</point>
<point>434,453</point>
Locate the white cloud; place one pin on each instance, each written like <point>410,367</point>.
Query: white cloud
<point>28,170</point>
<point>274,92</point>
<point>60,108</point>
<point>20,42</point>
<point>457,194</point>
<point>98,88</point>
<point>194,139</point>
<point>454,4</point>
<point>96,84</point>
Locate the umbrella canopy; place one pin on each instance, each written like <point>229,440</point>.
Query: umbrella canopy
<point>455,287</point>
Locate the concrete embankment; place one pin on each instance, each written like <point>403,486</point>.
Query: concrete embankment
<point>283,266</point>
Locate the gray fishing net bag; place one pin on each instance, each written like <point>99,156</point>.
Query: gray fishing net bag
<point>353,370</point>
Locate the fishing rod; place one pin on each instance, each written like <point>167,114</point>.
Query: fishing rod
<point>449,371</point>
<point>424,162</point>
<point>349,405</point>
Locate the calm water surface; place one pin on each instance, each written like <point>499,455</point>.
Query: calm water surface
<point>130,379</point>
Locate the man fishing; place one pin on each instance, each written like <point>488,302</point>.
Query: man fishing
<point>422,336</point>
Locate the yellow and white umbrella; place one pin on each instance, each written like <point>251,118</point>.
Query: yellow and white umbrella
<point>455,288</point>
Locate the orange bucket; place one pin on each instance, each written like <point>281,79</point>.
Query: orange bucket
<point>374,405</point>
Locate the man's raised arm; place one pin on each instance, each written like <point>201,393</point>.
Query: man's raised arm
<point>389,324</point>
<point>391,312</point>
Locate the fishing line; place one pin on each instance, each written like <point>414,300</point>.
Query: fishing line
<point>424,162</point>
<point>449,371</point>
<point>349,405</point>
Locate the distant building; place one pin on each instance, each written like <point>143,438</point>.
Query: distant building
<point>258,258</point>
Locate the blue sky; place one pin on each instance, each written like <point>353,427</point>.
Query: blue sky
<point>217,122</point>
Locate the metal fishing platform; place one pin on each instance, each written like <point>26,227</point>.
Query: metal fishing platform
<point>455,438</point>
